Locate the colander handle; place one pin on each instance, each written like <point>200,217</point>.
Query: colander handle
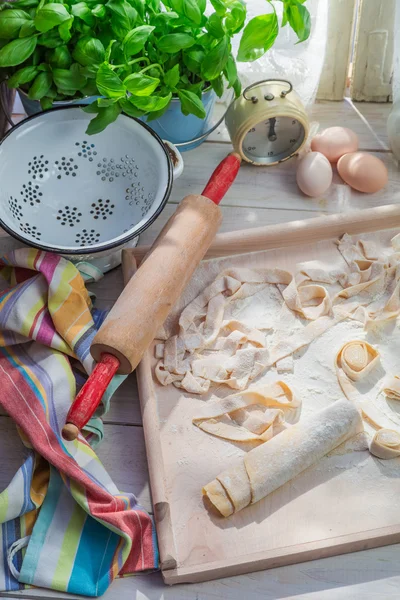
<point>176,158</point>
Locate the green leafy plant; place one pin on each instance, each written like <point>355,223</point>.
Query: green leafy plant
<point>136,54</point>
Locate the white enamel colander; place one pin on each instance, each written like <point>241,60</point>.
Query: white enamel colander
<point>78,195</point>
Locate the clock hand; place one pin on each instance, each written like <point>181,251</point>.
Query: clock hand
<point>272,134</point>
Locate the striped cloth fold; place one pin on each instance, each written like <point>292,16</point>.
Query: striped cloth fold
<point>64,524</point>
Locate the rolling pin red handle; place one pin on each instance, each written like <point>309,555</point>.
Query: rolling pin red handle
<point>222,178</point>
<point>89,397</point>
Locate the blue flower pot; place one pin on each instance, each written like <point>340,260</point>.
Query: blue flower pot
<point>177,128</point>
<point>32,107</point>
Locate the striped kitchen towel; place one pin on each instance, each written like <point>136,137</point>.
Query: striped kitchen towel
<point>64,524</point>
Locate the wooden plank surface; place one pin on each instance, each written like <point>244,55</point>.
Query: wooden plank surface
<point>370,575</point>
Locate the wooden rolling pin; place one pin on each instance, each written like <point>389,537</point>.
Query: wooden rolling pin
<point>150,294</point>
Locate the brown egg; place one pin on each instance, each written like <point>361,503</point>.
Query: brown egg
<point>334,142</point>
<point>363,172</point>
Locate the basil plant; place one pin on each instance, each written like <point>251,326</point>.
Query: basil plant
<point>135,54</point>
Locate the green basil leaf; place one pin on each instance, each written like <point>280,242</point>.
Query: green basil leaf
<point>44,67</point>
<point>135,40</point>
<point>163,20</point>
<point>123,18</point>
<point>284,15</point>
<point>108,83</point>
<point>215,60</point>
<point>36,57</point>
<point>235,19</point>
<point>202,5</point>
<point>299,20</point>
<point>91,109</point>
<point>141,85</point>
<point>103,102</point>
<point>82,11</point>
<point>60,57</point>
<point>64,29</point>
<point>40,86</point>
<point>191,104</point>
<point>230,70</point>
<point>51,39</point>
<point>16,52</point>
<point>104,117</point>
<point>46,103</point>
<point>129,109</point>
<point>215,26</point>
<point>69,81</point>
<point>139,6</point>
<point>109,50</point>
<point>24,75</point>
<point>154,5</point>
<point>50,15</point>
<point>151,103</point>
<point>237,86</point>
<point>25,3</point>
<point>90,89</point>
<point>219,7</point>
<point>89,51</point>
<point>27,29</point>
<point>258,36</point>
<point>11,21</point>
<point>177,5</point>
<point>218,86</point>
<point>196,88</point>
<point>191,10</point>
<point>205,40</point>
<point>173,42</point>
<point>193,60</point>
<point>99,11</point>
<point>156,114</point>
<point>171,77</point>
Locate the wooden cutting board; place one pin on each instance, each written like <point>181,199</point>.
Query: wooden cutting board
<point>349,501</point>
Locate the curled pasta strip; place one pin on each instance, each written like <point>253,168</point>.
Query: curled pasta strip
<point>392,388</point>
<point>357,359</point>
<point>385,444</point>
<point>255,415</point>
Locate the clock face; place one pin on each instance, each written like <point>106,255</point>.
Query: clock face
<point>273,140</point>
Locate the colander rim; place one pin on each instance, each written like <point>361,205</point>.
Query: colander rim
<point>107,245</point>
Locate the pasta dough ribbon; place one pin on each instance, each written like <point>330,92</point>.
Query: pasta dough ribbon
<point>354,361</point>
<point>255,415</point>
<point>392,388</point>
<point>385,444</point>
<point>357,359</point>
<point>271,465</point>
<point>188,360</point>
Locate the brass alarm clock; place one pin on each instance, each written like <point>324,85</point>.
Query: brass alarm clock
<point>268,122</point>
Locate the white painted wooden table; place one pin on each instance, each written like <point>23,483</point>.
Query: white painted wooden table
<point>260,196</point>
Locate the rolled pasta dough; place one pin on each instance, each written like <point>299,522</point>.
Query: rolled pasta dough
<point>276,462</point>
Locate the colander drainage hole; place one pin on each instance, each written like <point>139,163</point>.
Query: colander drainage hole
<point>37,167</point>
<point>30,230</point>
<point>87,236</point>
<point>66,166</point>
<point>30,193</point>
<point>69,216</point>
<point>102,209</point>
<point>86,150</point>
<point>15,208</point>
